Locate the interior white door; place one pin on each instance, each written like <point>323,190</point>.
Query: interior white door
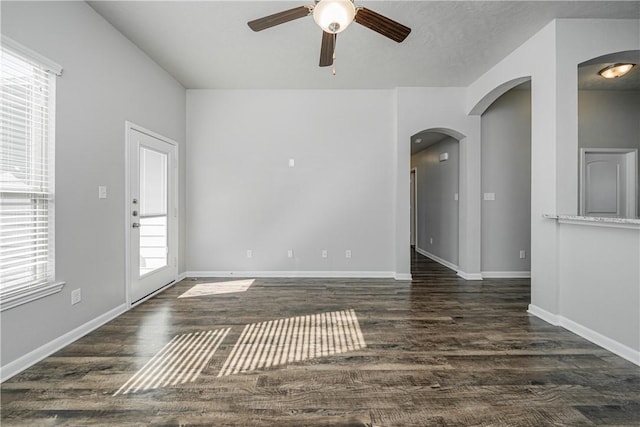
<point>153,214</point>
<point>608,184</point>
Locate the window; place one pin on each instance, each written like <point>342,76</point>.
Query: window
<point>27,93</point>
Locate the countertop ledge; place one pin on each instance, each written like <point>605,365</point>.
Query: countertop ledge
<point>596,220</point>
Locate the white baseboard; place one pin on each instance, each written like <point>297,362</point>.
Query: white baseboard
<point>297,274</point>
<point>452,266</point>
<point>597,338</point>
<point>402,276</point>
<point>506,274</point>
<point>13,368</point>
<point>470,276</point>
<point>181,277</point>
<point>437,259</point>
<point>544,315</point>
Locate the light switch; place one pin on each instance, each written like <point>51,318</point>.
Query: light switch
<point>324,253</point>
<point>249,253</point>
<point>289,253</point>
<point>292,163</point>
<point>102,192</point>
<point>455,196</point>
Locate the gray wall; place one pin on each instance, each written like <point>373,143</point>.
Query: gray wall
<point>506,171</point>
<point>437,208</point>
<point>609,119</point>
<point>106,81</point>
<point>243,195</point>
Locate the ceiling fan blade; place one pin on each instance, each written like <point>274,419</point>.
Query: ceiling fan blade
<point>327,49</point>
<point>381,24</point>
<point>279,18</point>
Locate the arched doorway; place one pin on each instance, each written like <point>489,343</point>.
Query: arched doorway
<point>435,173</point>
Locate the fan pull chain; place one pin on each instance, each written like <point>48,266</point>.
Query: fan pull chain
<point>334,63</point>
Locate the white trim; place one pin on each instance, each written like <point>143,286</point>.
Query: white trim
<point>470,276</point>
<point>43,61</point>
<point>632,173</point>
<point>437,259</point>
<point>11,298</point>
<point>181,277</point>
<point>597,338</point>
<point>402,276</point>
<point>414,171</point>
<point>544,315</point>
<point>127,213</point>
<point>300,274</point>
<point>506,274</point>
<point>12,368</point>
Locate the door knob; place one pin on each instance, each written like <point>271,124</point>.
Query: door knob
<point>136,225</point>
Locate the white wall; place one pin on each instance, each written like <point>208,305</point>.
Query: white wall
<point>600,277</point>
<point>609,119</point>
<point>106,80</point>
<point>506,172</point>
<point>551,58</point>
<point>243,195</point>
<point>437,183</point>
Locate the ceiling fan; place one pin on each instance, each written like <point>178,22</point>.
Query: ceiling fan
<point>334,16</point>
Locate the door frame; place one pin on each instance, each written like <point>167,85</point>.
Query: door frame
<point>633,152</point>
<point>414,171</point>
<point>175,238</point>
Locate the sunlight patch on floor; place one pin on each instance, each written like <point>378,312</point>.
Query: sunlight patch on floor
<point>277,342</point>
<point>216,288</point>
<point>181,360</point>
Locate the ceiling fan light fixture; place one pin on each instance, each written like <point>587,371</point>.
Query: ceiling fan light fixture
<point>334,16</point>
<point>616,70</point>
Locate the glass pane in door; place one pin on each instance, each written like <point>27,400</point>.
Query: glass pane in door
<point>153,210</point>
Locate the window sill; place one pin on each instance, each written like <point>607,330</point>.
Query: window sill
<point>13,298</point>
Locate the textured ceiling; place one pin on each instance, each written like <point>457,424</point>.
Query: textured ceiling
<point>207,44</point>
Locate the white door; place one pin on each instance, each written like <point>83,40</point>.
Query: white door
<point>152,213</point>
<point>608,183</point>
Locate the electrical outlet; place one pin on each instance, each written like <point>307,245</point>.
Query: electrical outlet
<point>347,253</point>
<point>523,254</point>
<point>289,253</point>
<point>324,253</point>
<point>76,296</point>
<point>249,253</point>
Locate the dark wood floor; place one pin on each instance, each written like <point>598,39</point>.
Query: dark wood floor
<point>439,351</point>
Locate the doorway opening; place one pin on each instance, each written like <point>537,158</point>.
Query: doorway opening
<point>434,181</point>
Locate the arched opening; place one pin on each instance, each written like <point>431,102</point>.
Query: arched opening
<point>434,196</point>
<point>609,137</point>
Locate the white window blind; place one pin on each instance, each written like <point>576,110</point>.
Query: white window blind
<point>26,177</point>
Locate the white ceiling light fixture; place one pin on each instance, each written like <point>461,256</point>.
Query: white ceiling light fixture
<point>616,70</point>
<point>334,16</point>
